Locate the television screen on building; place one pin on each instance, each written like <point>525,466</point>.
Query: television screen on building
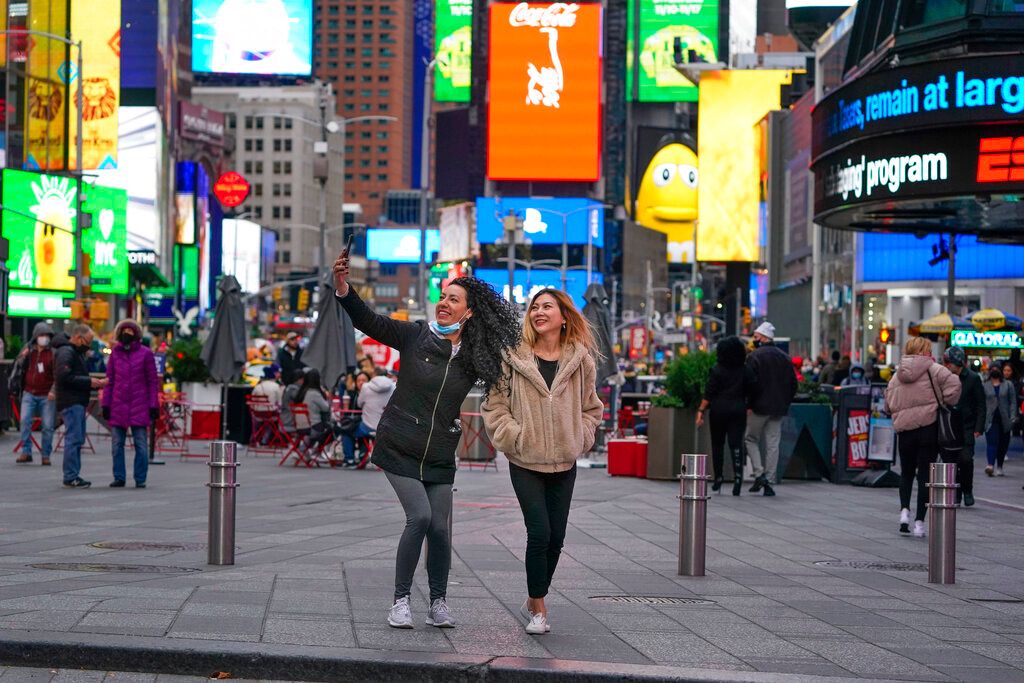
<point>453,49</point>
<point>400,245</point>
<point>265,37</point>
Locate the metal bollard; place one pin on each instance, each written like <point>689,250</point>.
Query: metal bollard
<point>223,463</point>
<point>693,514</point>
<point>942,523</point>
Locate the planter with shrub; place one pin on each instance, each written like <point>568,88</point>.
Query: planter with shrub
<point>671,426</point>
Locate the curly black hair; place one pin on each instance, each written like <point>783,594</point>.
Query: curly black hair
<point>492,329</point>
<point>730,352</point>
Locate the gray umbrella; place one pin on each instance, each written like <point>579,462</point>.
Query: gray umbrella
<point>332,348</point>
<point>600,318</point>
<point>224,350</point>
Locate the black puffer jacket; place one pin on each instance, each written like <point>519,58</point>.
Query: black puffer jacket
<point>72,381</point>
<point>776,381</point>
<point>419,429</point>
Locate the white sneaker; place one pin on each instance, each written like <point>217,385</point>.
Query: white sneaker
<point>538,625</point>
<point>525,612</point>
<point>400,614</point>
<point>905,521</point>
<point>919,529</point>
<point>439,615</point>
<point>999,472</point>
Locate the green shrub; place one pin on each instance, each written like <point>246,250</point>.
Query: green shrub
<point>184,363</point>
<point>685,379</point>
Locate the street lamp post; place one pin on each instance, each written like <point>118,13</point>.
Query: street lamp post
<point>421,280</point>
<point>565,241</point>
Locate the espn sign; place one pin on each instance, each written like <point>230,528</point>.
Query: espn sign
<point>1001,160</point>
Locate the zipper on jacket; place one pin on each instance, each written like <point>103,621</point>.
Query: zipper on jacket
<point>433,415</point>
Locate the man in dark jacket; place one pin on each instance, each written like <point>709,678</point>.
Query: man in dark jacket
<point>970,414</point>
<point>289,357</point>
<point>769,403</point>
<point>74,389</point>
<point>33,379</point>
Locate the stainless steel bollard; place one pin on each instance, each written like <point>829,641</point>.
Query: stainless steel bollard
<point>693,514</point>
<point>223,463</point>
<point>942,523</point>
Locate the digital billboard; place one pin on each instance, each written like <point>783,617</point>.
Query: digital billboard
<point>138,172</point>
<point>666,178</point>
<point>543,219</point>
<point>526,284</point>
<point>888,257</point>
<point>266,37</point>
<point>453,49</point>
<point>693,22</point>
<point>399,245</point>
<point>544,110</point>
<point>98,25</point>
<point>731,105</point>
<point>46,91</point>
<point>241,252</point>
<point>39,222</point>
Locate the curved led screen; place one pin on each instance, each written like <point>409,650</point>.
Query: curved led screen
<point>267,37</point>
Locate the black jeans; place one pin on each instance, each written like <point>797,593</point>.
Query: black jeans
<point>918,448</point>
<point>965,469</point>
<point>544,498</point>
<point>725,423</point>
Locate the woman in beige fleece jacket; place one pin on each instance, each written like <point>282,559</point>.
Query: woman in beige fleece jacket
<point>542,420</point>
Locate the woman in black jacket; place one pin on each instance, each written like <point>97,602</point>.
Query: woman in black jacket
<point>420,429</point>
<point>726,394</point>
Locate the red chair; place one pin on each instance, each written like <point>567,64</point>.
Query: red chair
<point>268,435</point>
<point>626,419</point>
<point>305,452</point>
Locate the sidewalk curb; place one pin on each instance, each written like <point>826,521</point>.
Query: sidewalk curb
<point>99,652</point>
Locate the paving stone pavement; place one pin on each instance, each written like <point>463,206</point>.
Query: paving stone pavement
<point>21,674</point>
<point>314,573</point>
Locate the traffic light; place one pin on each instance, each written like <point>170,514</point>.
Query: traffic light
<point>303,299</point>
<point>886,335</point>
<point>746,315</point>
<point>276,293</point>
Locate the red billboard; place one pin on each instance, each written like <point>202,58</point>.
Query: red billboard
<point>544,107</point>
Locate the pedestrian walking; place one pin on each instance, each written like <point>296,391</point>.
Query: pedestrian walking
<point>912,398</point>
<point>730,385</point>
<point>131,400</point>
<point>32,376</point>
<point>289,357</point>
<point>420,428</point>
<point>1011,375</point>
<point>1000,414</point>
<point>970,412</point>
<point>857,378</point>
<point>829,370</point>
<point>74,389</point>
<point>373,398</point>
<point>842,371</point>
<point>543,420</point>
<point>773,390</point>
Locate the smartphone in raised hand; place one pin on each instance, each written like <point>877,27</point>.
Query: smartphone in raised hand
<point>348,245</point>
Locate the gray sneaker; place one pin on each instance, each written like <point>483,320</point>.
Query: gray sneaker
<point>400,615</point>
<point>439,615</point>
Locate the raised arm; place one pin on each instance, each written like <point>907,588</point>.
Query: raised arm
<point>394,333</point>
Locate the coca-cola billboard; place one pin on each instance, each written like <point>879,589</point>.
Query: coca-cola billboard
<point>544,114</point>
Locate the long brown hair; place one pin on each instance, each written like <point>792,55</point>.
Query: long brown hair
<point>577,329</point>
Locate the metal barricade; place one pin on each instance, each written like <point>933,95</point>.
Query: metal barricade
<point>223,465</point>
<point>942,523</point>
<point>693,514</point>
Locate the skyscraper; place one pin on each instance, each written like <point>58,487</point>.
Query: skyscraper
<point>365,49</point>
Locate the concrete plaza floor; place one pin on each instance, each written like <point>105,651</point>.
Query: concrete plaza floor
<point>796,586</point>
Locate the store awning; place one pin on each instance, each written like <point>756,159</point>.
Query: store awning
<point>147,275</point>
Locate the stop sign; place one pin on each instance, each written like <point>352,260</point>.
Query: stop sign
<point>231,189</point>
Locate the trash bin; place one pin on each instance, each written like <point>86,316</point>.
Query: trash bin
<point>474,445</point>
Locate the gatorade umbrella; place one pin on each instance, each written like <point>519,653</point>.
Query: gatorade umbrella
<point>991,319</point>
<point>939,325</point>
<point>224,350</point>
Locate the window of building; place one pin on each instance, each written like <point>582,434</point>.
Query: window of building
<point>384,65</point>
<point>388,270</point>
<point>349,93</point>
<point>333,52</point>
<point>367,65</point>
<point>286,189</point>
<point>365,177</point>
<point>349,163</point>
<point>384,92</point>
<point>287,170</point>
<point>366,92</point>
<point>332,23</point>
<point>384,78</point>
<point>367,37</point>
<point>348,106</point>
<point>365,106</point>
<point>248,144</point>
<point>277,168</point>
<point>387,9</point>
<point>365,134</point>
<point>258,212</point>
<point>348,176</point>
<point>367,24</point>
<point>248,167</point>
<point>364,163</point>
<point>350,52</point>
<point>277,190</point>
<point>286,256</point>
<point>275,212</point>
<point>383,106</point>
<point>248,123</point>
<point>367,51</point>
<point>350,65</point>
<point>258,167</point>
<point>349,149</point>
<point>350,39</point>
<point>365,149</point>
<point>350,78</point>
<point>257,189</point>
<point>230,121</point>
<point>332,65</point>
<point>332,38</point>
<point>382,177</point>
<point>382,163</point>
<point>382,135</point>
<point>383,149</point>
<point>350,9</point>
<point>286,212</point>
<point>385,52</point>
<point>350,23</point>
<point>367,9</point>
<point>286,234</point>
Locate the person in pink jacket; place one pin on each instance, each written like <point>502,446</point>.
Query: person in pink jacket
<point>912,398</point>
<point>130,400</point>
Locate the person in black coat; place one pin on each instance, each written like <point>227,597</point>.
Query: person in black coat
<point>730,383</point>
<point>289,358</point>
<point>420,429</point>
<point>769,403</point>
<point>970,417</point>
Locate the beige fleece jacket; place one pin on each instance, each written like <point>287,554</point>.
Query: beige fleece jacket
<point>540,429</point>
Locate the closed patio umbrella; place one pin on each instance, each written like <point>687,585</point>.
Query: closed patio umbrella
<point>332,348</point>
<point>597,313</point>
<point>224,350</point>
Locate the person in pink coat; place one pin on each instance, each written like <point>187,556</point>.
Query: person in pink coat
<point>130,400</point>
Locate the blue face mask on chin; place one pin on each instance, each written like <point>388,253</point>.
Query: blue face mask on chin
<point>446,329</point>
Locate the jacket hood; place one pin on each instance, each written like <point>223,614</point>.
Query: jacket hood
<point>380,385</point>
<point>913,368</point>
<point>40,329</point>
<point>128,322</point>
<point>522,361</point>
<point>856,366</point>
<point>60,339</point>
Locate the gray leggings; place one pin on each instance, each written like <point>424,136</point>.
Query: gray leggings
<point>427,507</point>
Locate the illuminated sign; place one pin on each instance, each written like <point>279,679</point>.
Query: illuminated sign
<point>935,163</point>
<point>98,25</point>
<point>693,22</point>
<point>267,37</point>
<point>241,252</point>
<point>40,221</point>
<point>399,245</point>
<point>731,105</point>
<point>544,109</point>
<point>231,189</point>
<point>986,340</point>
<point>526,284</point>
<point>46,91</point>
<point>543,219</point>
<point>453,49</point>
<point>37,304</point>
<point>142,257</point>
